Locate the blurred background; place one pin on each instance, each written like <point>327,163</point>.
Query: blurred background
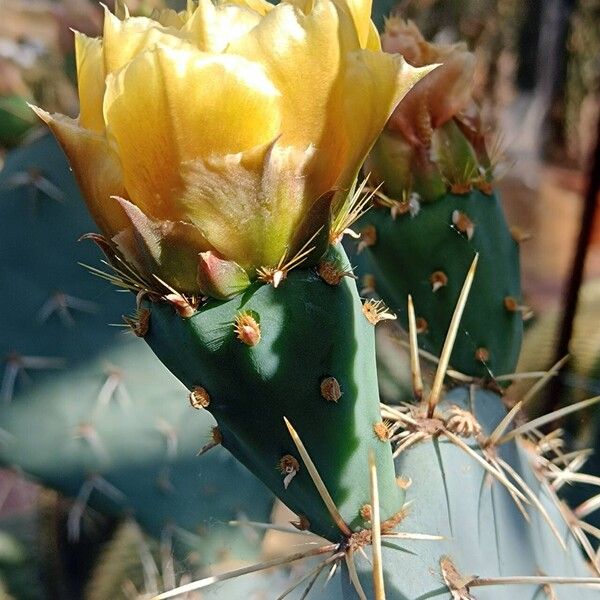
<point>137,524</point>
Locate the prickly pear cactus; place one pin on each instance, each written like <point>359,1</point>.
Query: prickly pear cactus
<point>435,208</point>
<point>306,355</point>
<point>493,507</point>
<point>85,408</point>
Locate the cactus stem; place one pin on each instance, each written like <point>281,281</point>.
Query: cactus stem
<point>268,564</point>
<point>378,585</point>
<point>436,389</point>
<point>319,484</point>
<point>415,364</point>
<point>349,556</point>
<point>545,419</point>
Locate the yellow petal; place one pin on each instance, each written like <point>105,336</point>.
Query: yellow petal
<point>374,41</point>
<point>301,53</point>
<point>249,205</point>
<point>360,10</point>
<point>375,83</point>
<point>171,106</point>
<point>90,81</point>
<point>212,27</point>
<point>124,40</point>
<point>96,169</point>
<point>262,7</point>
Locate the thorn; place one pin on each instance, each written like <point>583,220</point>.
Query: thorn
<point>319,484</point>
<point>378,584</point>
<point>139,322</point>
<point>545,419</point>
<point>202,583</point>
<point>247,328</point>
<point>415,364</point>
<point>60,303</point>
<point>331,273</point>
<point>440,373</point>
<point>278,277</point>
<point>217,440</point>
<point>376,311</point>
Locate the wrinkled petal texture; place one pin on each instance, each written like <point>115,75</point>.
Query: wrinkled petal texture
<point>439,96</point>
<point>191,105</point>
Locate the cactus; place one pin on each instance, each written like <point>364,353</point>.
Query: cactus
<point>245,294</point>
<point>433,215</point>
<point>113,430</point>
<point>312,364</point>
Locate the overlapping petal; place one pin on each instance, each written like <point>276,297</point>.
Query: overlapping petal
<point>228,129</point>
<point>212,28</point>
<point>96,168</point>
<point>124,40</point>
<point>90,79</point>
<point>170,106</point>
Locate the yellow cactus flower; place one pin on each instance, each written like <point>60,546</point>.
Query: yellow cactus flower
<point>221,137</point>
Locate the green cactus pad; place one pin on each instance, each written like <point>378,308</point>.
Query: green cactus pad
<point>90,400</point>
<point>484,533</point>
<point>310,331</point>
<point>408,251</point>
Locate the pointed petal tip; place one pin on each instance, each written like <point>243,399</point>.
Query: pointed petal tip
<point>40,112</point>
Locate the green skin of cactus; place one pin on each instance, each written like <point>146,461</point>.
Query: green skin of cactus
<point>310,331</point>
<point>39,425</point>
<point>409,250</point>
<point>484,532</point>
